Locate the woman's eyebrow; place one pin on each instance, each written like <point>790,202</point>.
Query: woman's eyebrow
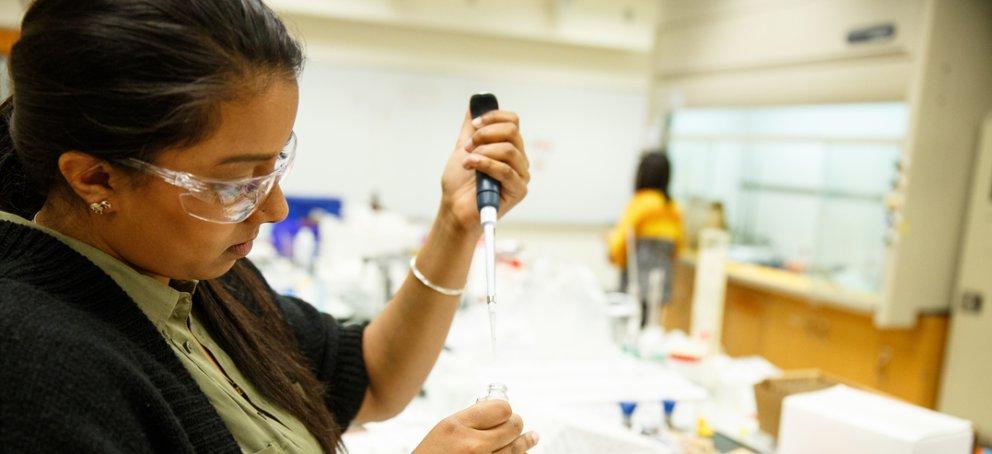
<point>252,157</point>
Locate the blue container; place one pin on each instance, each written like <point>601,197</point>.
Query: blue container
<point>298,218</point>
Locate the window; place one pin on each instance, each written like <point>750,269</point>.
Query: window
<point>803,187</point>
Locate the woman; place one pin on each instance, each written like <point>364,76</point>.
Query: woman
<point>655,222</point>
<point>139,154</point>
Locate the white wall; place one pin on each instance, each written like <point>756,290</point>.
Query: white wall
<point>381,105</point>
<point>551,82</point>
<point>391,131</point>
<point>10,13</point>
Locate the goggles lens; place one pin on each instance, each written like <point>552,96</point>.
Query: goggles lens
<point>219,201</point>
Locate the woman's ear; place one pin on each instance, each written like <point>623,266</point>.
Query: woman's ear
<point>89,177</point>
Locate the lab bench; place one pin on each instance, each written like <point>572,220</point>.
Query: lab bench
<point>796,322</point>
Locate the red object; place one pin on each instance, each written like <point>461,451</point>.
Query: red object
<point>683,357</point>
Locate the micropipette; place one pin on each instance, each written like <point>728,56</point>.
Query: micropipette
<point>487,198</point>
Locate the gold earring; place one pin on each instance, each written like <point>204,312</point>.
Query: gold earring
<point>99,207</point>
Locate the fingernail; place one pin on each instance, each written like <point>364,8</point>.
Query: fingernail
<point>469,144</point>
<point>535,437</point>
<point>477,122</point>
<point>471,159</point>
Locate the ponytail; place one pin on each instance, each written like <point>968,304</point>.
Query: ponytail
<point>17,194</point>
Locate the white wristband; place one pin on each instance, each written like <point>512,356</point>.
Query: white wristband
<point>437,288</point>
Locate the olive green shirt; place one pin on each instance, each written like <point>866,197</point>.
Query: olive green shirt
<point>257,424</point>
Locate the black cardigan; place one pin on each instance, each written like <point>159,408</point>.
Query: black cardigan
<point>83,370</point>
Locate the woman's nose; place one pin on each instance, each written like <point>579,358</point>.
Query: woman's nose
<point>273,209</point>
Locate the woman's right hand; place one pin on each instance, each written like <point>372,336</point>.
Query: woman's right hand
<point>487,427</point>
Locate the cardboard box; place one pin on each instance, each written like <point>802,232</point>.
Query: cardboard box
<point>846,420</point>
<point>768,394</point>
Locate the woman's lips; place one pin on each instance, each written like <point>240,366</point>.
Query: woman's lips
<point>241,249</point>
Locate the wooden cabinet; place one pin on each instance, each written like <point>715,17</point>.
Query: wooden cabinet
<point>7,39</point>
<point>796,333</point>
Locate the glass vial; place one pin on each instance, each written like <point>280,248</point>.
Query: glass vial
<point>495,391</point>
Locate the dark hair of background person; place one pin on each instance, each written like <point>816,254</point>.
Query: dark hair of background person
<point>654,172</point>
<point>131,78</point>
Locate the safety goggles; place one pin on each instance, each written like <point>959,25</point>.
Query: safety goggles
<point>221,201</point>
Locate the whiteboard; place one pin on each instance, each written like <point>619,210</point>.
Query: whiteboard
<point>390,131</point>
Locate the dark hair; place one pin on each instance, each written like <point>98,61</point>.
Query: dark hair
<point>654,172</point>
<point>131,78</point>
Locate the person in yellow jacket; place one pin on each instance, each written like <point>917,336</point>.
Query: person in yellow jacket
<point>656,224</point>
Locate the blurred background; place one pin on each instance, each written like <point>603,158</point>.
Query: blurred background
<point>829,160</point>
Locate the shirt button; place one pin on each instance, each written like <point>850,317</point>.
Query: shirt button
<point>187,347</point>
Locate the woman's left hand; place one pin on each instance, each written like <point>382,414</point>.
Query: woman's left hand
<point>490,144</point>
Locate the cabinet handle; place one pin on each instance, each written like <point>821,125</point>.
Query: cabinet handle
<point>885,354</point>
<point>818,328</point>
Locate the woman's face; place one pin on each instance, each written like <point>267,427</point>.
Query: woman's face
<point>151,230</point>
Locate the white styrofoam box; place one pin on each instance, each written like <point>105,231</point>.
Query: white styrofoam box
<point>852,421</point>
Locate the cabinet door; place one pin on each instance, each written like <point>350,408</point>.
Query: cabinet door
<point>743,323</point>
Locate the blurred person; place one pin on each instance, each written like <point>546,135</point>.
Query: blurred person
<point>140,152</point>
<point>656,223</point>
